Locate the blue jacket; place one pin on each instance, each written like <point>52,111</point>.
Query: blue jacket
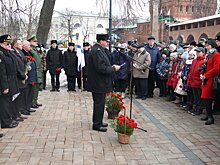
<point>32,74</point>
<point>162,68</point>
<point>118,58</point>
<point>154,54</point>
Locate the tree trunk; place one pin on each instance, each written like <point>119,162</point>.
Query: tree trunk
<point>45,21</point>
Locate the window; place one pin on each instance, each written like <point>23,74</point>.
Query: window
<point>210,22</point>
<point>192,9</point>
<point>195,25</point>
<point>202,24</point>
<point>187,9</point>
<point>181,8</point>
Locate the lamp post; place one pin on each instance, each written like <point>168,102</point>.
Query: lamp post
<point>110,25</point>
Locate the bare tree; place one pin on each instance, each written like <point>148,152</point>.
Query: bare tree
<point>129,9</point>
<point>45,20</point>
<point>19,18</point>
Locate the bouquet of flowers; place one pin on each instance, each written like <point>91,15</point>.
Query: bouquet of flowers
<point>29,60</point>
<point>114,102</point>
<point>124,125</point>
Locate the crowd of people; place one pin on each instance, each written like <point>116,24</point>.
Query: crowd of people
<point>185,74</point>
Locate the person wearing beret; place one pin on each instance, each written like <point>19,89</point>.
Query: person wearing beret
<point>54,62</point>
<point>37,57</point>
<point>155,54</point>
<point>141,72</point>
<point>100,73</point>
<point>86,48</point>
<point>8,82</point>
<point>209,72</point>
<point>70,60</point>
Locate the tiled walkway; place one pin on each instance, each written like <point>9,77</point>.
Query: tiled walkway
<point>60,133</point>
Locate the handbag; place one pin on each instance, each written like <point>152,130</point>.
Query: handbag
<point>216,82</point>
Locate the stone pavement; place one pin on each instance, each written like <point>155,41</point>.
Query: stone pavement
<point>60,133</point>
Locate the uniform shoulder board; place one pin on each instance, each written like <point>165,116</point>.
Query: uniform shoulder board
<point>0,60</point>
<point>98,49</point>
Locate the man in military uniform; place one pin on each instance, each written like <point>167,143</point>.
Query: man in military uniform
<point>54,60</point>
<point>86,48</point>
<point>8,82</point>
<point>70,60</point>
<point>36,86</point>
<point>100,73</point>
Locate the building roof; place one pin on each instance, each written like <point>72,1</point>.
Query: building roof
<point>196,20</point>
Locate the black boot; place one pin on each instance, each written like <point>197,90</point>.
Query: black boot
<point>209,121</point>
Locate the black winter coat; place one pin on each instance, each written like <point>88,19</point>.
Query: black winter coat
<point>99,71</point>
<point>86,57</point>
<point>21,62</point>
<point>8,73</point>
<point>70,60</point>
<point>54,60</point>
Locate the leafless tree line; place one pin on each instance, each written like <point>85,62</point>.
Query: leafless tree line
<point>19,17</point>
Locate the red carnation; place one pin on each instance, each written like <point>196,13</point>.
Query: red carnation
<point>32,83</point>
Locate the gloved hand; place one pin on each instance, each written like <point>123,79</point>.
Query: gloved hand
<point>58,69</point>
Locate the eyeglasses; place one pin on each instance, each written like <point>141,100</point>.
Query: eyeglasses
<point>35,41</point>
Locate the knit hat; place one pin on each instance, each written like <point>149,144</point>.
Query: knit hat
<point>212,43</point>
<point>174,54</point>
<point>172,46</point>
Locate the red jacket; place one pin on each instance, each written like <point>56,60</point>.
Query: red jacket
<point>213,65</point>
<point>194,80</point>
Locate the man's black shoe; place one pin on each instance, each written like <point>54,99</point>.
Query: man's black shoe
<point>138,97</point>
<point>104,124</point>
<point>39,105</point>
<point>34,106</point>
<point>32,110</point>
<point>101,129</point>
<point>52,90</point>
<point>209,121</point>
<point>144,98</point>
<point>57,90</point>
<point>10,126</point>
<point>25,113</point>
<point>1,135</point>
<point>14,122</point>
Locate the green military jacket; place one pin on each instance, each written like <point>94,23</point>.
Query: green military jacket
<point>37,58</point>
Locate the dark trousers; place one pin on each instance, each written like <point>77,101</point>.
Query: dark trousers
<point>216,107</point>
<point>29,96</point>
<point>208,106</point>
<point>141,84</point>
<point>85,85</point>
<point>120,85</point>
<point>79,80</point>
<point>44,79</point>
<point>5,110</point>
<point>16,107</point>
<point>22,102</point>
<point>55,83</point>
<point>98,109</point>
<point>197,98</point>
<point>163,87</point>
<point>151,81</point>
<point>71,82</point>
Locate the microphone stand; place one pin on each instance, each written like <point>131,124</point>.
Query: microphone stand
<point>131,88</point>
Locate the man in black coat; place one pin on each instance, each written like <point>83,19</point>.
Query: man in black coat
<point>100,73</point>
<point>70,60</point>
<point>20,102</point>
<point>86,48</point>
<point>54,60</point>
<point>8,82</point>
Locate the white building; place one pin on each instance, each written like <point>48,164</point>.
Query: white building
<point>68,25</point>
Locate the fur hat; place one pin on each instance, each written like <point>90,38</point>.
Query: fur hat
<point>53,41</point>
